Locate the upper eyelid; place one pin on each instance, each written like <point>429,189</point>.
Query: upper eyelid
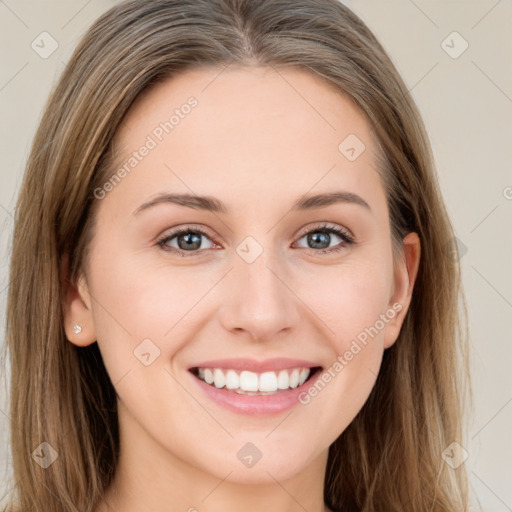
<point>327,226</point>
<point>188,227</point>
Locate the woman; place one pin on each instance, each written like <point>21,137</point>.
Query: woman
<point>231,285</point>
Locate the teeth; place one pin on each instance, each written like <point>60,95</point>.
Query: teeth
<point>252,383</point>
<point>283,380</point>
<point>208,376</point>
<point>232,379</point>
<point>268,381</point>
<point>294,378</point>
<point>248,381</point>
<point>219,379</point>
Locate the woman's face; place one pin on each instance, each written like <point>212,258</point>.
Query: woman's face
<point>262,291</point>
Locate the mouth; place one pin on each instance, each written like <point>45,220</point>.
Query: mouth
<point>258,388</point>
<point>251,383</point>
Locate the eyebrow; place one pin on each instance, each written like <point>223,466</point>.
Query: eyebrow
<point>211,204</point>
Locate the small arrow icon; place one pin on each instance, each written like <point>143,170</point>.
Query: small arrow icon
<point>45,455</point>
<point>454,455</point>
<point>146,352</point>
<point>454,45</point>
<point>41,455</point>
<point>44,45</point>
<point>351,147</point>
<point>249,253</point>
<point>249,455</point>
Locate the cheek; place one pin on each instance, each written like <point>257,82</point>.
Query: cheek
<point>348,298</point>
<point>147,308</point>
<point>352,304</point>
<point>139,300</point>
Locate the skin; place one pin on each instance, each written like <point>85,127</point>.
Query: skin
<point>258,140</point>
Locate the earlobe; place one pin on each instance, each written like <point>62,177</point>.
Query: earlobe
<point>77,329</point>
<point>77,312</point>
<point>404,280</point>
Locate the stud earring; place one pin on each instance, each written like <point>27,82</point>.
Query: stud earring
<point>77,329</point>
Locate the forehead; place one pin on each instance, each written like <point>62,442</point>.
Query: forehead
<point>252,97</point>
<point>268,130</point>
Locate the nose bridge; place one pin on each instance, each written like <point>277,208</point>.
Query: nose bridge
<point>258,301</point>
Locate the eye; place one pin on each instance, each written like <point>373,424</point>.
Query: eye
<point>184,240</point>
<point>320,238</point>
<point>189,240</point>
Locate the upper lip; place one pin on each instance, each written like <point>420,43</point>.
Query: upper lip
<point>278,363</point>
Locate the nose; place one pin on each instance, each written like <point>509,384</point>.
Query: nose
<point>259,300</point>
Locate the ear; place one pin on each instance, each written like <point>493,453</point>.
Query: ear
<point>404,278</point>
<point>76,306</point>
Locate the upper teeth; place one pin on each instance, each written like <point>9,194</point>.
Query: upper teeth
<point>251,381</point>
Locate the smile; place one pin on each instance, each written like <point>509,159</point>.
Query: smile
<point>252,383</point>
<point>255,387</point>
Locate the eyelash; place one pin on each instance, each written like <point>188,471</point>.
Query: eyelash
<point>324,228</point>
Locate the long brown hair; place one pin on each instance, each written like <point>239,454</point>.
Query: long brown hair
<point>390,458</point>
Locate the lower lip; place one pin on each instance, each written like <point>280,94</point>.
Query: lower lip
<point>256,405</point>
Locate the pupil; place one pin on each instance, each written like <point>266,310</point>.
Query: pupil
<point>319,238</point>
<point>190,240</point>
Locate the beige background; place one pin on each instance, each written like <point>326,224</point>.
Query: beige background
<point>467,107</point>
